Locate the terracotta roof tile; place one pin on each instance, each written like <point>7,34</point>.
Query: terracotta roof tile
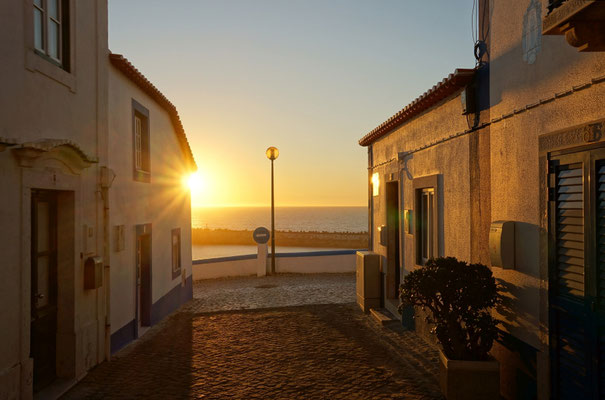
<point>448,86</point>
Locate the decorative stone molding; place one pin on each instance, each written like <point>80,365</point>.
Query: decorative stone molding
<point>593,133</point>
<point>581,21</point>
<point>6,142</point>
<point>66,152</point>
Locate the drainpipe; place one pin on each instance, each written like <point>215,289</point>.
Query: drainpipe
<point>107,177</point>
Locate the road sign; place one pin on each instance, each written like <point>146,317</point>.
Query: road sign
<point>261,235</point>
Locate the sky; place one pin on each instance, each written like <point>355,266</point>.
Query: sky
<point>310,77</point>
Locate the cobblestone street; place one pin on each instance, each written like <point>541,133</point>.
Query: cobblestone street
<point>209,349</point>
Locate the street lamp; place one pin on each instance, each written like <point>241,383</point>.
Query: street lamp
<point>272,154</point>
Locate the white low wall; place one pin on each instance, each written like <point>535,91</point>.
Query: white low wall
<point>335,261</point>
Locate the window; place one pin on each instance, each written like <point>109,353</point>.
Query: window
<point>51,30</point>
<point>141,145</point>
<point>176,252</point>
<point>426,219</point>
<point>425,222</point>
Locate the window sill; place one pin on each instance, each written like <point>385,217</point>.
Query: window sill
<point>176,274</point>
<point>38,63</point>
<point>142,176</point>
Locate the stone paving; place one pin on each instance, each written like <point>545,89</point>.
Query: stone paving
<point>282,290</point>
<point>313,351</point>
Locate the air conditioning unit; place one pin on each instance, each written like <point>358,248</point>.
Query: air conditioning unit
<point>368,280</point>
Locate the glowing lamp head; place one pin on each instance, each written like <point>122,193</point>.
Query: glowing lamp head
<point>272,153</point>
<point>375,184</point>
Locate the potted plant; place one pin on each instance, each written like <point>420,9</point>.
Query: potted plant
<point>457,298</point>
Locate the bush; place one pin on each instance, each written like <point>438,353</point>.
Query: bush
<point>459,297</point>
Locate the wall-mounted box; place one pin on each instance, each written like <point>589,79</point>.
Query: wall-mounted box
<point>407,222</point>
<point>88,239</point>
<point>368,280</point>
<point>502,244</point>
<point>468,100</point>
<point>382,235</point>
<point>93,273</point>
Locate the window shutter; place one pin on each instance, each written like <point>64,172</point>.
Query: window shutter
<point>599,301</point>
<point>568,313</point>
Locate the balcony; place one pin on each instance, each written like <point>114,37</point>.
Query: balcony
<point>581,21</point>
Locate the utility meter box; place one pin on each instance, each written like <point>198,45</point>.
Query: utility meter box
<point>382,235</point>
<point>93,273</point>
<point>502,244</point>
<point>368,280</point>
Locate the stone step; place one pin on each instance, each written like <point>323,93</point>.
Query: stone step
<point>383,316</point>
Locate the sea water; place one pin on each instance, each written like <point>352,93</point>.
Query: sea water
<point>300,219</point>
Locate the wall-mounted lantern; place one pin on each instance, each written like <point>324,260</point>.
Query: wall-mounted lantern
<point>375,184</point>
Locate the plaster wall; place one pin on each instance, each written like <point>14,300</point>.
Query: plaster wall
<point>449,160</point>
<point>298,264</point>
<point>164,202</point>
<point>553,84</point>
<point>515,177</point>
<point>557,66</point>
<point>39,100</point>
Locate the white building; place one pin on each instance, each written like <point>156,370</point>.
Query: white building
<point>85,188</point>
<point>150,208</point>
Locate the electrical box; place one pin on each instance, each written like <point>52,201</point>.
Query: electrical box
<point>382,235</point>
<point>89,240</point>
<point>368,280</point>
<point>502,244</point>
<point>407,222</point>
<point>467,98</point>
<point>93,273</point>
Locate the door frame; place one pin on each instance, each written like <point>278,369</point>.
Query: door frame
<point>50,197</point>
<point>140,231</point>
<point>393,224</point>
<point>587,155</point>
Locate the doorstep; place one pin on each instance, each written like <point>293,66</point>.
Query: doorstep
<point>58,388</point>
<point>383,316</point>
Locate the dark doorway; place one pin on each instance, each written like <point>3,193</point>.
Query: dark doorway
<point>143,268</point>
<point>577,274</point>
<point>43,337</point>
<point>393,273</point>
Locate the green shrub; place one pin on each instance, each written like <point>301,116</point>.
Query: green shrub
<point>458,297</point>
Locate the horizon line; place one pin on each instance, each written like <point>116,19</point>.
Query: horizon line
<point>268,206</point>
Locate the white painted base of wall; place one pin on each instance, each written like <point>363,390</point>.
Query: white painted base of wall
<point>301,263</point>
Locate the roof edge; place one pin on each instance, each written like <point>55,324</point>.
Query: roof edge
<point>122,64</point>
<point>455,81</point>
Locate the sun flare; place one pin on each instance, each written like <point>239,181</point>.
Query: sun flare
<point>195,183</point>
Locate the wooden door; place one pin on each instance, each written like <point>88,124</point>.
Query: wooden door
<point>577,274</point>
<point>43,287</point>
<point>144,279</point>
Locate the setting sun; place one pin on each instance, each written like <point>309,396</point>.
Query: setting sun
<point>195,183</point>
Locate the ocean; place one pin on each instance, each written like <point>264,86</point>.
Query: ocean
<point>301,219</point>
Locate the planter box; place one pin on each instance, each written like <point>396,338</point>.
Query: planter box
<point>469,380</point>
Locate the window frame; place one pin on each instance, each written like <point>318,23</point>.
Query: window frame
<point>176,252</point>
<point>426,187</point>
<point>62,20</point>
<point>142,172</point>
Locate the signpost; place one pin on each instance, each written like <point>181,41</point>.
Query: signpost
<point>261,236</point>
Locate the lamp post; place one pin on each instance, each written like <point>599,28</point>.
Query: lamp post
<point>272,154</point>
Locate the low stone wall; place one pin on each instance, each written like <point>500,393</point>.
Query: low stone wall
<point>316,262</point>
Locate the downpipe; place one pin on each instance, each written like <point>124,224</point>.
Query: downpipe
<point>107,177</point>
